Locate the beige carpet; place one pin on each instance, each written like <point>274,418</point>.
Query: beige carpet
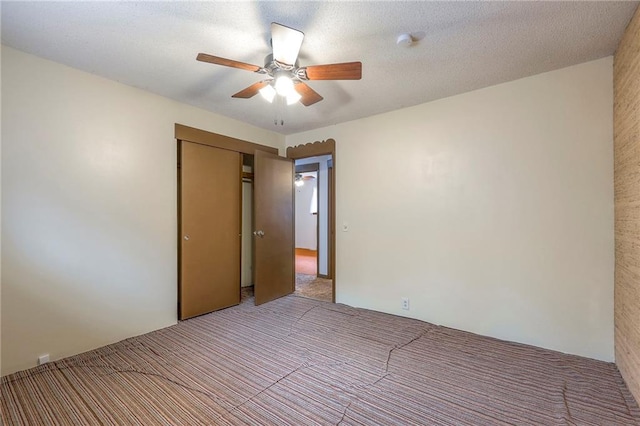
<point>313,287</point>
<point>298,361</point>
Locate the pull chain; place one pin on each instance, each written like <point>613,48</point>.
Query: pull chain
<point>279,106</point>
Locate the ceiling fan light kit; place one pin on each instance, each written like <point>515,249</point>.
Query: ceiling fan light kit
<point>285,78</point>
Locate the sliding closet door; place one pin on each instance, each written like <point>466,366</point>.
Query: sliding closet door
<point>210,209</point>
<point>273,210</point>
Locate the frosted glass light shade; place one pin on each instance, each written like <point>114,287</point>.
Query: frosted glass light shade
<point>268,92</point>
<point>293,97</point>
<point>284,85</point>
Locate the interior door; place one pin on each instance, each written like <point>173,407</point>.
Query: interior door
<point>273,210</point>
<point>210,212</point>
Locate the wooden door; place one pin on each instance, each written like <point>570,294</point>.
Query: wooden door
<point>210,209</point>
<point>273,210</point>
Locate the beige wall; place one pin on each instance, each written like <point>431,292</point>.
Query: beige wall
<point>88,208</point>
<point>246,272</point>
<point>627,204</point>
<point>306,222</point>
<point>497,213</point>
<point>492,210</point>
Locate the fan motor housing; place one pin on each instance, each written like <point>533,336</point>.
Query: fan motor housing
<point>272,66</point>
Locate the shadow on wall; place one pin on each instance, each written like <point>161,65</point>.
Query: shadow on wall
<point>70,285</point>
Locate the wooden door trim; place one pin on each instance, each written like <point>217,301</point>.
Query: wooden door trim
<point>314,149</point>
<point>191,134</point>
<point>306,168</point>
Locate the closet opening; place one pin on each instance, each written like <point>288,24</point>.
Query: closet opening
<point>246,255</point>
<point>235,222</point>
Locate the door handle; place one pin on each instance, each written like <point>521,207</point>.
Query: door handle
<point>258,233</point>
<point>186,238</point>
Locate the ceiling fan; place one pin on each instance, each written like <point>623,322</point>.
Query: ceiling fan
<point>300,179</point>
<point>285,77</point>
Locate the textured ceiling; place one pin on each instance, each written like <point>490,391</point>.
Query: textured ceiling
<point>466,46</point>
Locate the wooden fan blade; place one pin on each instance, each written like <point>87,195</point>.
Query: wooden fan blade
<point>251,91</point>
<point>286,43</point>
<point>309,96</point>
<point>203,57</point>
<point>343,71</point>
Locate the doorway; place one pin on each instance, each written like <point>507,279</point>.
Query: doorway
<point>311,229</point>
<point>314,219</point>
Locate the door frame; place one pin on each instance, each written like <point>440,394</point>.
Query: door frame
<point>191,134</point>
<point>314,149</point>
<point>184,133</point>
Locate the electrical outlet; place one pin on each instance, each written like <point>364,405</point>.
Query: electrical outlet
<point>43,359</point>
<point>405,303</point>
